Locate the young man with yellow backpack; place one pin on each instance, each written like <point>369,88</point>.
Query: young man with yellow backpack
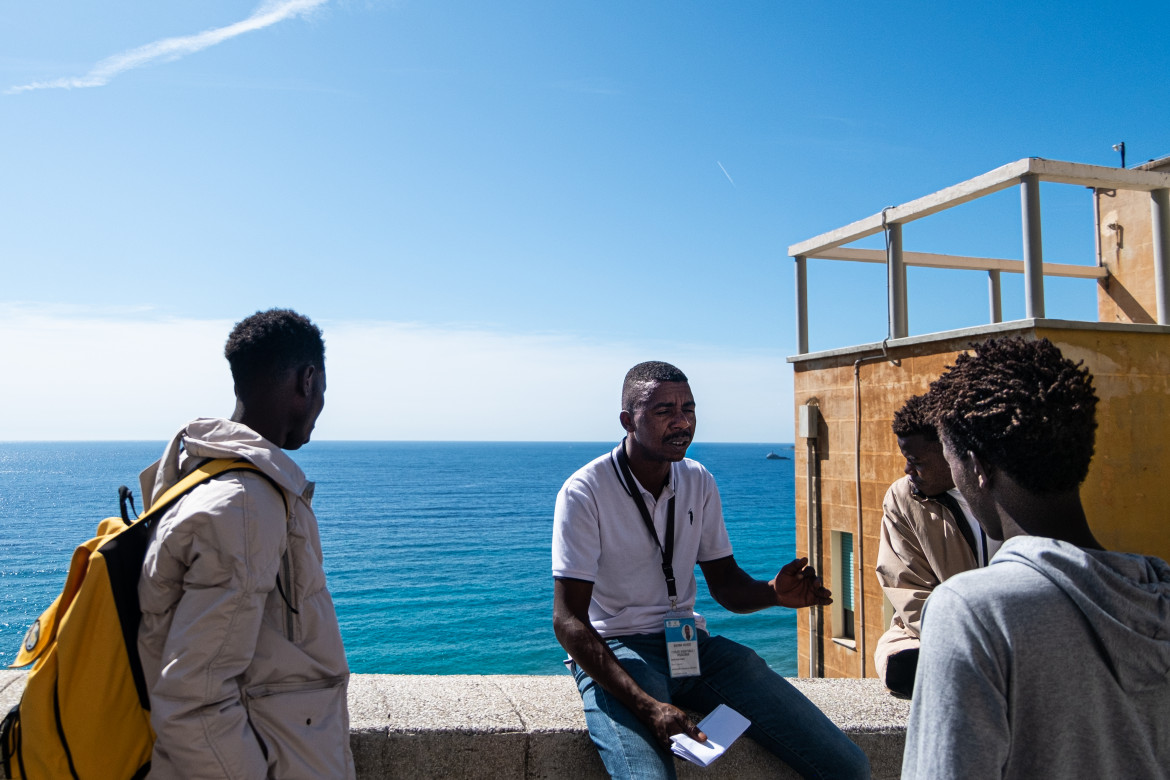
<point>239,649</point>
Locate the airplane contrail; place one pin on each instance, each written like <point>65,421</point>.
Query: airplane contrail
<point>725,173</point>
<point>170,49</point>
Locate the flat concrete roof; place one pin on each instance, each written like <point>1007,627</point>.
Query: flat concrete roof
<point>978,333</point>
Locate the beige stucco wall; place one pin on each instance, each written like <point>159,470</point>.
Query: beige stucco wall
<point>1127,495</point>
<point>1125,248</point>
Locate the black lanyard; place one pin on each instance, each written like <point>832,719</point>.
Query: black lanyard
<point>668,548</point>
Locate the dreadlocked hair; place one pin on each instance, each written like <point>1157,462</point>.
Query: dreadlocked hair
<point>1022,407</point>
<point>914,419</point>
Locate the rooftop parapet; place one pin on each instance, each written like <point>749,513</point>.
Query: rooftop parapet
<point>1027,174</point>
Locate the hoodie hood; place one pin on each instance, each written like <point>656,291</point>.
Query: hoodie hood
<point>212,437</point>
<point>1124,597</point>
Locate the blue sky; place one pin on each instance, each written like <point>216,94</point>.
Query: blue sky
<point>495,208</point>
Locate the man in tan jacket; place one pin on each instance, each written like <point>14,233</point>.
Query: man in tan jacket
<point>928,534</point>
<point>239,638</point>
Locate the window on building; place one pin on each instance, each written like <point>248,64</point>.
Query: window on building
<point>843,587</point>
<point>846,560</point>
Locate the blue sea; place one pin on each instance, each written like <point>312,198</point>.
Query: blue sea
<point>437,553</point>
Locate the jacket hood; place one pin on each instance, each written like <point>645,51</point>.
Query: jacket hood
<point>1124,597</point>
<point>212,437</point>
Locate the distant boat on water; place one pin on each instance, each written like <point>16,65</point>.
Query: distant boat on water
<point>774,456</point>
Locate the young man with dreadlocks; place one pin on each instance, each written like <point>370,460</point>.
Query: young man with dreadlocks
<point>1054,661</point>
<point>928,535</point>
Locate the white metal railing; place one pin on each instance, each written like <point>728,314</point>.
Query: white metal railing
<point>1027,174</point>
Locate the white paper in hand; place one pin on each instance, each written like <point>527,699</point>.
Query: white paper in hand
<point>722,727</point>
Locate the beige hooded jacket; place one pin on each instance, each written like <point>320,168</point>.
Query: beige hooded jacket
<point>243,684</point>
<point>920,547</point>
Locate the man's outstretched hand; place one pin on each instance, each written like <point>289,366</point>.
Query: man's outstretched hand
<point>797,585</point>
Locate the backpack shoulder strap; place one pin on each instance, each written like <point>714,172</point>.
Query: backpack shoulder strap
<point>205,472</point>
<point>210,470</point>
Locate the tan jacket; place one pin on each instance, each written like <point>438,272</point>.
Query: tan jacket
<point>921,546</point>
<point>241,686</point>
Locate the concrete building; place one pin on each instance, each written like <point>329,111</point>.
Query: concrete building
<point>846,455</point>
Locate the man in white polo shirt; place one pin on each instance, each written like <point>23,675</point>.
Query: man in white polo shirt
<point>628,530</point>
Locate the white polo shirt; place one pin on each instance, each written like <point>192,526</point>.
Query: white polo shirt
<point>599,536</point>
<point>985,546</point>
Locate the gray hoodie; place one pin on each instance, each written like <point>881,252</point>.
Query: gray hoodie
<point>1054,661</point>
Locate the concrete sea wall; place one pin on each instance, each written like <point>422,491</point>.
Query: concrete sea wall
<point>513,726</point>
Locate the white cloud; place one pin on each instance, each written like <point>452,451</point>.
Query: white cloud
<point>169,49</point>
<point>76,375</point>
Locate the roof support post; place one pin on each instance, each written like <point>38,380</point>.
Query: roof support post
<point>1160,222</point>
<point>1033,246</point>
<point>896,268</point>
<point>801,305</point>
<point>994,297</point>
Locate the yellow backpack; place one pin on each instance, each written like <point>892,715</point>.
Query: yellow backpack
<point>85,711</point>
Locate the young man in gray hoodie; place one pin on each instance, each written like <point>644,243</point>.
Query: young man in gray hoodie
<point>1054,661</point>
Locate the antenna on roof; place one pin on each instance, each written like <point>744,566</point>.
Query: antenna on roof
<point>1120,147</point>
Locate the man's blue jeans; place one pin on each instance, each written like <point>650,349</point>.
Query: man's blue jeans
<point>783,720</point>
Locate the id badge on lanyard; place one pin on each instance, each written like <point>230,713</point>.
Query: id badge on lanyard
<point>682,644</point>
<point>679,631</point>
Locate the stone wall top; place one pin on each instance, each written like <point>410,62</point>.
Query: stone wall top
<point>512,726</point>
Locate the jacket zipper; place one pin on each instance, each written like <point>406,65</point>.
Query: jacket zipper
<point>286,567</point>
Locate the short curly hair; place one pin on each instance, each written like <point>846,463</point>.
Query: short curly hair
<point>1023,407</point>
<point>915,419</point>
<point>262,346</point>
<point>650,372</point>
